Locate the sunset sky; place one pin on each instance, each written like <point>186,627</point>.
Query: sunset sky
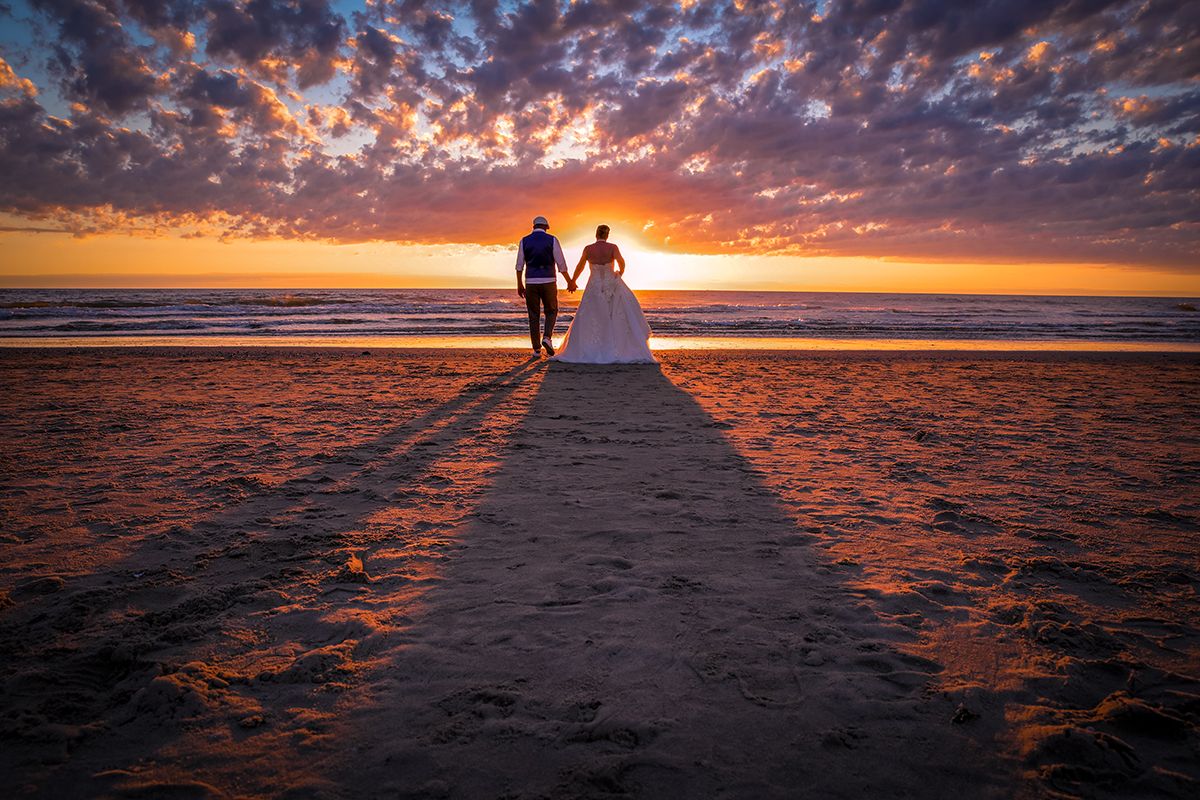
<point>933,145</point>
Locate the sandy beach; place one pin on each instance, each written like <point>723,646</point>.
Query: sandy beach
<point>321,573</point>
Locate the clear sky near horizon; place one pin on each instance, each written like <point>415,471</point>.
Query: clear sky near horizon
<point>834,145</point>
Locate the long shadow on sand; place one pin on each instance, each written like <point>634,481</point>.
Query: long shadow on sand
<point>103,701</point>
<point>632,613</point>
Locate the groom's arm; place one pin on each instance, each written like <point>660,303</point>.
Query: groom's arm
<point>561,261</point>
<point>520,270</point>
<point>559,258</point>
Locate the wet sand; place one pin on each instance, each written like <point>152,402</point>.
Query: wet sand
<point>323,573</point>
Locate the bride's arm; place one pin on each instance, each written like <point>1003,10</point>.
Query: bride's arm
<point>620,260</point>
<point>579,267</point>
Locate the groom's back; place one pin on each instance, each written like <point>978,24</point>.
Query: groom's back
<point>538,248</point>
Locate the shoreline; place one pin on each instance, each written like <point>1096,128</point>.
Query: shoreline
<point>514,357</point>
<point>657,344</point>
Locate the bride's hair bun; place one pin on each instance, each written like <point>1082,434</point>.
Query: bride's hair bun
<point>601,231</point>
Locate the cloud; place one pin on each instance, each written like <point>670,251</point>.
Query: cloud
<point>95,57</point>
<point>276,36</point>
<point>11,82</point>
<point>1002,130</point>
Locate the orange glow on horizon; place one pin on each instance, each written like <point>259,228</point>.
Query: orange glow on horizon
<point>34,260</point>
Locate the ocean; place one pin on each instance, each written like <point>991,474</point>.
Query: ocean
<point>414,316</point>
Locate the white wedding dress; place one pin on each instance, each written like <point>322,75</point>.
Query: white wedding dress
<point>609,327</point>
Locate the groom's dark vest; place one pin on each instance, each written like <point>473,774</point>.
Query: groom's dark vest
<point>539,255</point>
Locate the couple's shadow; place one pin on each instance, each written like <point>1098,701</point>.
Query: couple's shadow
<point>632,611</point>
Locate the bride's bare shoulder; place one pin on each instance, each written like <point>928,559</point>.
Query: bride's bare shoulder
<point>600,252</point>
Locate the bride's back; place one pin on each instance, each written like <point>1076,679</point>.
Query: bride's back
<point>600,253</point>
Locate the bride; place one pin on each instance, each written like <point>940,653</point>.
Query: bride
<point>609,327</point>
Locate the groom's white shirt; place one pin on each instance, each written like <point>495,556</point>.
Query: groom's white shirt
<point>559,259</point>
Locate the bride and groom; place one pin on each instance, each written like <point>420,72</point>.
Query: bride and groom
<point>608,328</point>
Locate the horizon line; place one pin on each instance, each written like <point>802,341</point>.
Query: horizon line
<point>506,289</point>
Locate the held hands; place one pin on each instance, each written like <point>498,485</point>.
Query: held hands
<point>571,285</point>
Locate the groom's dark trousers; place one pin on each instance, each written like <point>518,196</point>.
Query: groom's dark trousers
<point>537,297</point>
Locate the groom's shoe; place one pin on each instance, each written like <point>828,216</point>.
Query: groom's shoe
<point>549,345</point>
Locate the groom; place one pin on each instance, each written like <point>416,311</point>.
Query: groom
<point>537,256</point>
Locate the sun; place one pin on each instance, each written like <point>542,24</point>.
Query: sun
<point>648,266</point>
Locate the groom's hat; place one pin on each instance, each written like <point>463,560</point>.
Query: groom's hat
<point>540,220</point>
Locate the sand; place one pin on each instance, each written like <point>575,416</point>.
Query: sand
<point>326,573</point>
